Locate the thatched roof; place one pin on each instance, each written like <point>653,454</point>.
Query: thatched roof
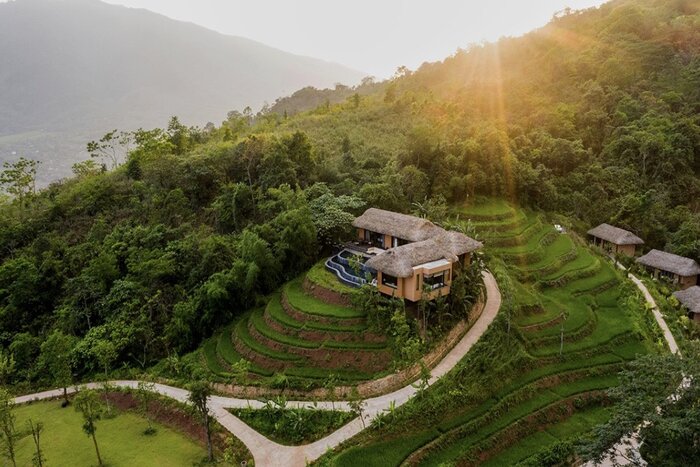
<point>401,260</point>
<point>615,235</point>
<point>669,262</point>
<point>411,228</point>
<point>690,298</point>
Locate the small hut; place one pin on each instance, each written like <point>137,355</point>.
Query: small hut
<point>679,270</point>
<point>690,299</point>
<point>615,240</point>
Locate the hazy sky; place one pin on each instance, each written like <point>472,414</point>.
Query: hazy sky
<point>374,36</point>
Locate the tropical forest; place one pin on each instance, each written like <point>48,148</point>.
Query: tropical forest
<point>402,271</point>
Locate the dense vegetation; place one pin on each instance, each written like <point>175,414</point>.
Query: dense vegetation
<point>535,382</point>
<point>594,115</point>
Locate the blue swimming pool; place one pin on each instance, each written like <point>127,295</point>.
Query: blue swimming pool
<point>340,265</point>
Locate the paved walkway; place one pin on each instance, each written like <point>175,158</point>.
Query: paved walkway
<point>627,450</point>
<point>268,453</point>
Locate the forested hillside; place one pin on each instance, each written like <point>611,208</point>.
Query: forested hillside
<point>71,70</point>
<point>596,115</point>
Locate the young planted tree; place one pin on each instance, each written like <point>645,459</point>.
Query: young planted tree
<point>8,433</point>
<point>36,429</point>
<point>89,404</point>
<point>146,393</point>
<point>357,405</point>
<point>200,392</point>
<point>331,383</point>
<point>55,358</point>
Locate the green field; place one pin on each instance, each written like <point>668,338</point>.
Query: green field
<point>558,289</point>
<point>298,335</point>
<point>120,439</point>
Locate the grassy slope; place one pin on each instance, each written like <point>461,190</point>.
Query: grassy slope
<point>595,323</point>
<point>120,440</point>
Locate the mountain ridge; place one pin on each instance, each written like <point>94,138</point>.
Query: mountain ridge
<point>84,67</point>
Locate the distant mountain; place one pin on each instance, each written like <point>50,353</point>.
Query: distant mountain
<point>70,70</point>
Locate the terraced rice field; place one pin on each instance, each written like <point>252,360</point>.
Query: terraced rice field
<point>563,292</point>
<point>300,336</point>
<point>572,335</point>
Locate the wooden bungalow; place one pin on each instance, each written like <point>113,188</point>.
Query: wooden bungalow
<point>386,229</point>
<point>690,299</point>
<point>614,240</point>
<point>679,270</point>
<point>411,256</point>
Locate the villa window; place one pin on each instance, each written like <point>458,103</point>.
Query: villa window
<point>390,281</point>
<point>377,239</point>
<point>437,280</point>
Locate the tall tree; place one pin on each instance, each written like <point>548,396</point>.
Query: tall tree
<point>55,357</point>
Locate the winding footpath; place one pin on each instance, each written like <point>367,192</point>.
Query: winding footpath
<point>626,452</point>
<point>268,453</point>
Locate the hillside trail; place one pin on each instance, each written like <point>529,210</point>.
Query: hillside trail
<point>267,453</point>
<point>626,452</point>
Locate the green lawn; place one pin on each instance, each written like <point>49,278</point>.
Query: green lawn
<point>319,275</point>
<point>120,440</point>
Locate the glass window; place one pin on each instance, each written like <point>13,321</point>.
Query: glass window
<point>417,281</point>
<point>437,280</point>
<point>377,239</point>
<point>390,281</point>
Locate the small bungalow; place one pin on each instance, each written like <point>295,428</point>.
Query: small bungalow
<point>679,270</point>
<point>690,299</point>
<point>408,271</point>
<point>386,229</point>
<point>614,240</point>
<point>404,256</point>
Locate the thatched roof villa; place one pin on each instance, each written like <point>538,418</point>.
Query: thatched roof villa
<point>679,270</point>
<point>690,299</point>
<point>614,239</point>
<point>408,254</point>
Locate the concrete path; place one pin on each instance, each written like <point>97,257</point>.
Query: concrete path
<point>668,336</point>
<point>267,453</point>
<point>626,452</point>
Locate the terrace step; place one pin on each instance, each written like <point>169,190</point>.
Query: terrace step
<point>519,236</point>
<point>590,268</point>
<point>305,308</point>
<point>327,354</point>
<point>277,319</point>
